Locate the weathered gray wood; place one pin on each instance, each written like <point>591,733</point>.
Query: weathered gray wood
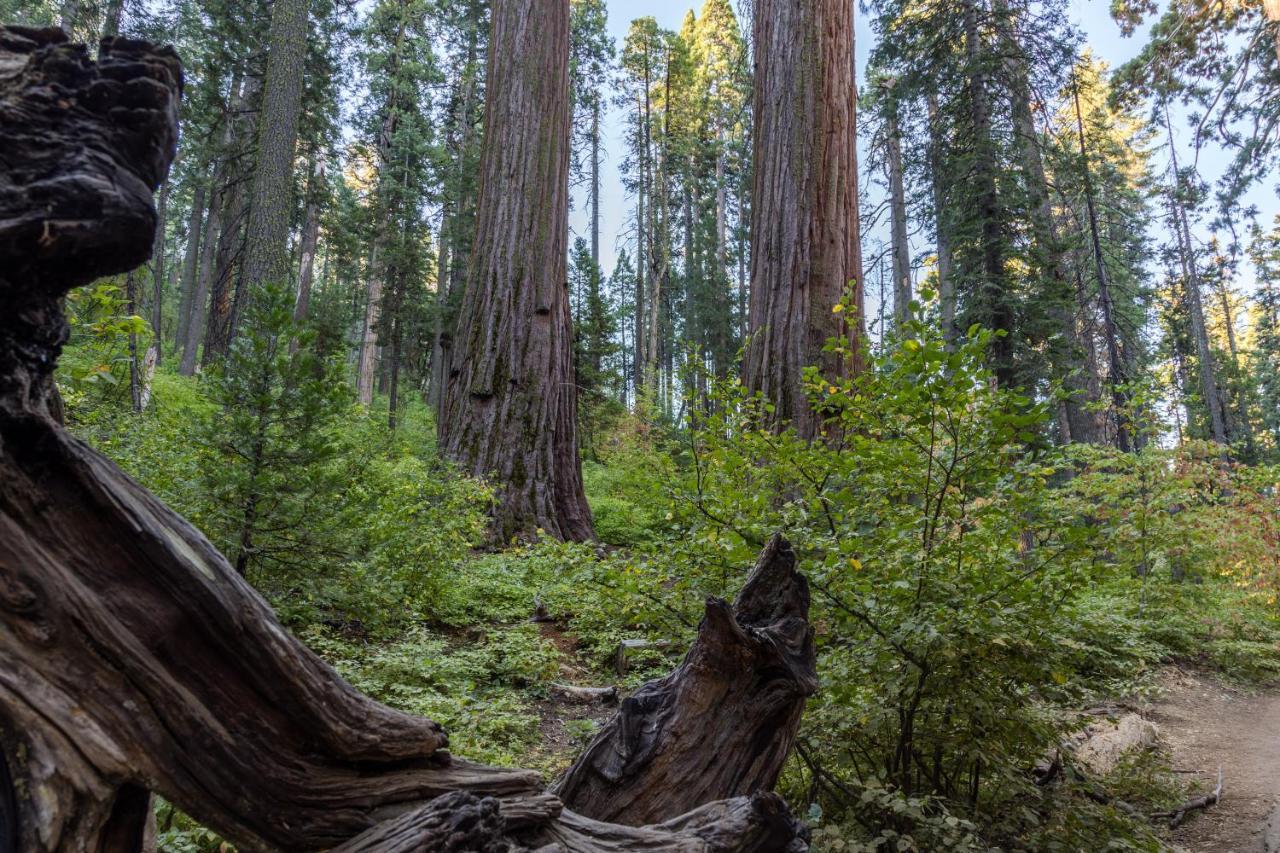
<point>722,723</point>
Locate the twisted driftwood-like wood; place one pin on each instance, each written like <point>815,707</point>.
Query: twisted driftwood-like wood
<point>133,658</point>
<point>737,696</point>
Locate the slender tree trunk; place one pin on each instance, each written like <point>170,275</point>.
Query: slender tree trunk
<point>721,201</point>
<point>1075,422</point>
<point>941,223</point>
<point>271,200</point>
<point>898,219</point>
<point>595,180</point>
<point>804,209</point>
<point>1241,403</point>
<point>366,372</point>
<point>460,212</point>
<point>310,238</point>
<point>995,310</point>
<point>1116,367</point>
<point>743,229</point>
<point>200,296</point>
<point>642,256</point>
<point>69,15</point>
<point>228,257</point>
<point>112,16</point>
<point>190,266</point>
<point>157,273</point>
<point>658,240</point>
<point>241,129</point>
<point>135,382</point>
<point>438,355</point>
<point>1195,310</point>
<point>510,405</point>
<point>395,333</point>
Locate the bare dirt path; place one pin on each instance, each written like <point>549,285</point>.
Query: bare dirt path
<point>1206,725</point>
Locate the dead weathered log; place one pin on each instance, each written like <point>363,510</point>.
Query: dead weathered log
<point>133,658</point>
<point>757,824</point>
<point>737,697</point>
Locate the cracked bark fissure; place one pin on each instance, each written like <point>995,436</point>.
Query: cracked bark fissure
<point>132,657</point>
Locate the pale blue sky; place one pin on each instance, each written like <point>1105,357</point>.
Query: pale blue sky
<point>1092,16</point>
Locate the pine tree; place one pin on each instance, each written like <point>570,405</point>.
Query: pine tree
<point>1264,361</point>
<point>271,438</point>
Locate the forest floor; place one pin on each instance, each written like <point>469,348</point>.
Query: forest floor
<point>1206,724</point>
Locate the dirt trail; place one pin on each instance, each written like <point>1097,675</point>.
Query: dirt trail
<point>1206,725</point>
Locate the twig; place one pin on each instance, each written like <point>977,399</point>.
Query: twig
<point>1178,815</point>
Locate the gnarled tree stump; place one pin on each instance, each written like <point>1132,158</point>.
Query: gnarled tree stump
<point>133,658</point>
<point>722,724</point>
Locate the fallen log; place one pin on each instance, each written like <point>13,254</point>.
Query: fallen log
<point>133,658</point>
<point>737,696</point>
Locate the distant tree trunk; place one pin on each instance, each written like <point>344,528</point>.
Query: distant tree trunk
<point>898,219</point>
<point>459,209</point>
<point>111,18</point>
<point>200,297</point>
<point>994,295</point>
<point>157,273</point>
<point>659,238</point>
<point>510,403</point>
<point>804,203</point>
<point>1118,376</point>
<point>190,267</point>
<point>241,130</point>
<point>135,377</point>
<point>1195,309</point>
<point>595,179</point>
<point>367,370</point>
<point>1241,424</point>
<point>69,15</point>
<point>395,335</point>
<point>266,257</point>
<point>227,257</point>
<point>310,237</point>
<point>1075,423</point>
<point>941,223</point>
<point>438,355</point>
<point>722,197</point>
<point>642,271</point>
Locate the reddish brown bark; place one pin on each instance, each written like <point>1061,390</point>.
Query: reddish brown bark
<point>510,402</point>
<point>804,203</point>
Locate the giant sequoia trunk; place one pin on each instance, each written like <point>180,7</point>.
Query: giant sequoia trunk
<point>510,402</point>
<point>804,202</point>
<point>132,657</point>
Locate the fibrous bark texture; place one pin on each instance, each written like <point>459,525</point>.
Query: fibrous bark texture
<point>133,658</point>
<point>722,724</point>
<point>271,205</point>
<point>804,202</point>
<point>510,402</point>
